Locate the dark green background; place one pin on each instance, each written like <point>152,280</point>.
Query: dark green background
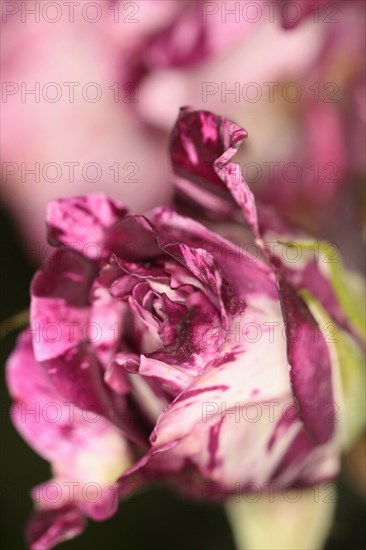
<point>153,519</point>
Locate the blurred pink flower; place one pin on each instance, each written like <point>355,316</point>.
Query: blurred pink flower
<point>147,59</point>
<point>127,160</point>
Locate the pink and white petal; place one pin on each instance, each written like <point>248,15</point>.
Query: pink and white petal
<point>115,375</point>
<point>310,362</point>
<point>60,303</point>
<point>81,446</point>
<point>247,273</point>
<point>78,378</point>
<point>105,323</point>
<point>94,500</point>
<point>202,145</point>
<point>241,446</point>
<point>47,528</point>
<point>81,222</point>
<point>170,376</point>
<point>254,352</point>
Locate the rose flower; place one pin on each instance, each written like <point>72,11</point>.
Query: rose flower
<point>162,347</point>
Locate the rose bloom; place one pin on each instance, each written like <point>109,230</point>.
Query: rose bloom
<point>158,340</point>
<point>109,90</point>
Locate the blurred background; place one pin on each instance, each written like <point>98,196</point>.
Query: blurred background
<point>90,92</point>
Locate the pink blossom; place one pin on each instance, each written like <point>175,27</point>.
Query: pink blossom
<point>164,332</point>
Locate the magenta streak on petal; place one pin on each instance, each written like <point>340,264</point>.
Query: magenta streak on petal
<point>193,393</point>
<point>280,428</point>
<point>213,444</point>
<point>295,453</point>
